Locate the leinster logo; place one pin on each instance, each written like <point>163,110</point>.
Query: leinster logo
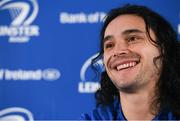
<point>22,15</point>
<point>87,85</point>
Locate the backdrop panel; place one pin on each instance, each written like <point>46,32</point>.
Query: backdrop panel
<point>45,52</point>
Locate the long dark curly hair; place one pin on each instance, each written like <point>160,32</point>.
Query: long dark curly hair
<point>168,87</point>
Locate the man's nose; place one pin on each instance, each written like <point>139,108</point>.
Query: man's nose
<point>121,48</point>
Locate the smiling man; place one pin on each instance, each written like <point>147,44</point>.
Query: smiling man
<point>141,55</point>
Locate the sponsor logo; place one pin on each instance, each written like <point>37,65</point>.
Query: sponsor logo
<point>49,74</point>
<point>87,86</point>
<point>16,114</point>
<point>23,14</point>
<point>80,18</point>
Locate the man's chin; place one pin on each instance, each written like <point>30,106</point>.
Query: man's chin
<point>127,87</point>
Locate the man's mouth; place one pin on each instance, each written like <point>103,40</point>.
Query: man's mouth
<point>123,62</point>
<point>126,65</point>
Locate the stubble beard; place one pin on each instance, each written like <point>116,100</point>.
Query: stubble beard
<point>140,81</point>
<point>130,87</point>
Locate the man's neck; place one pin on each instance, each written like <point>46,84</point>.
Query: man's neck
<point>136,106</point>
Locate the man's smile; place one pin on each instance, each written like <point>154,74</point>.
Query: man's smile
<point>124,62</point>
<point>126,65</point>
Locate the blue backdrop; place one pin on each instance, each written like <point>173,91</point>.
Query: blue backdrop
<point>45,52</point>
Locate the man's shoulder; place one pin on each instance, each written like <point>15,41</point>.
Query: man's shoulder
<point>101,112</point>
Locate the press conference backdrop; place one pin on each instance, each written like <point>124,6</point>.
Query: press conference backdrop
<point>45,51</point>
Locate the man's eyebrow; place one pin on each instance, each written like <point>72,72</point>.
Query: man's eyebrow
<point>125,32</point>
<point>129,31</point>
<point>109,37</point>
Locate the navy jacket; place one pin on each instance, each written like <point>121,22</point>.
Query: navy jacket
<point>114,112</point>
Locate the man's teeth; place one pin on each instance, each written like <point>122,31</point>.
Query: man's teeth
<point>126,65</point>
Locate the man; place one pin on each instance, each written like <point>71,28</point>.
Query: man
<point>141,55</point>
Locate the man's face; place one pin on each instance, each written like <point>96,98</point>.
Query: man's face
<point>129,54</point>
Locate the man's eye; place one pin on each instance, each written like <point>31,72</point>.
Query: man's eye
<point>131,39</point>
<point>134,39</point>
<point>108,45</point>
